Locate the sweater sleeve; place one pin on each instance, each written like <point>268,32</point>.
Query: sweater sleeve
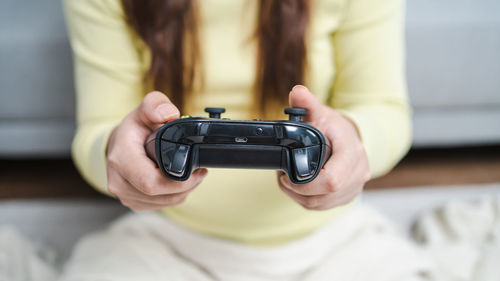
<point>108,75</point>
<point>370,85</point>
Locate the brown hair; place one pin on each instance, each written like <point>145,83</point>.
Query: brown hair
<point>170,29</point>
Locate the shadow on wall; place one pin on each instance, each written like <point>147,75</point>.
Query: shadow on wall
<point>453,70</point>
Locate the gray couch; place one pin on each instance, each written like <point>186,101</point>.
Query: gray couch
<point>453,71</point>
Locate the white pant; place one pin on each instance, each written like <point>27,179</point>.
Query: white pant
<point>358,245</point>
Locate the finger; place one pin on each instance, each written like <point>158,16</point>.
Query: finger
<point>319,186</point>
<point>122,189</point>
<point>159,184</point>
<point>125,191</point>
<point>159,202</point>
<point>308,202</point>
<point>137,205</point>
<point>155,110</point>
<point>322,202</point>
<point>343,175</point>
<point>301,97</point>
<point>147,178</point>
<point>339,169</point>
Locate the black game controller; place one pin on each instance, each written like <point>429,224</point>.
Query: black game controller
<point>293,146</point>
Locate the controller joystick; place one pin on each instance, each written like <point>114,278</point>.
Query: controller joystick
<point>215,112</point>
<point>292,146</point>
<point>295,114</point>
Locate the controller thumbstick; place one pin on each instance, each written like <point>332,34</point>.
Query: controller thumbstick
<point>295,114</point>
<point>214,112</point>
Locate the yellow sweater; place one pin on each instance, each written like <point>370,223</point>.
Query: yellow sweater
<point>356,65</point>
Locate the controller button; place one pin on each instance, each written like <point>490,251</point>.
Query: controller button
<point>240,139</point>
<point>295,114</point>
<point>215,112</point>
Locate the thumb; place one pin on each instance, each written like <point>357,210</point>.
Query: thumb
<point>155,110</point>
<point>301,97</point>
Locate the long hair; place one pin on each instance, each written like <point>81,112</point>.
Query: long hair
<point>170,29</point>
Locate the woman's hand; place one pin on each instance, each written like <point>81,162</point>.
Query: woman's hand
<point>344,175</point>
<point>132,176</point>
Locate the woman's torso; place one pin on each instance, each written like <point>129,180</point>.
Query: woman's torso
<point>247,205</point>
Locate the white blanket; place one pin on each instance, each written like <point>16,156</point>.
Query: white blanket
<point>463,238</point>
<point>22,260</point>
<point>459,241</point>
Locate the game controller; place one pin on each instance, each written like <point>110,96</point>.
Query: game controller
<point>188,143</point>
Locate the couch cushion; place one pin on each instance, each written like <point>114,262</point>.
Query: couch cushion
<point>453,53</point>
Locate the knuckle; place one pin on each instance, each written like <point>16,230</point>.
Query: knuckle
<point>112,161</point>
<point>332,183</point>
<point>311,203</point>
<point>113,189</point>
<point>311,208</point>
<point>146,186</point>
<point>148,190</point>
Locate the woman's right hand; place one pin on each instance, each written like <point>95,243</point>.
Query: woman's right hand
<point>132,176</point>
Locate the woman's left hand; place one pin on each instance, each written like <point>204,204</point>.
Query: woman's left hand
<point>343,176</point>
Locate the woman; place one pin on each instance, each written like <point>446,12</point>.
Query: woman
<point>249,57</point>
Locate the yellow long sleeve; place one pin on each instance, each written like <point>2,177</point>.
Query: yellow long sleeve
<point>356,65</point>
<point>370,85</point>
<point>108,77</point>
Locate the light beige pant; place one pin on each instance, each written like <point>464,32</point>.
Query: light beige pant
<point>358,245</point>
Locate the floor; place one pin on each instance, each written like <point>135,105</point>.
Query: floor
<point>58,178</point>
